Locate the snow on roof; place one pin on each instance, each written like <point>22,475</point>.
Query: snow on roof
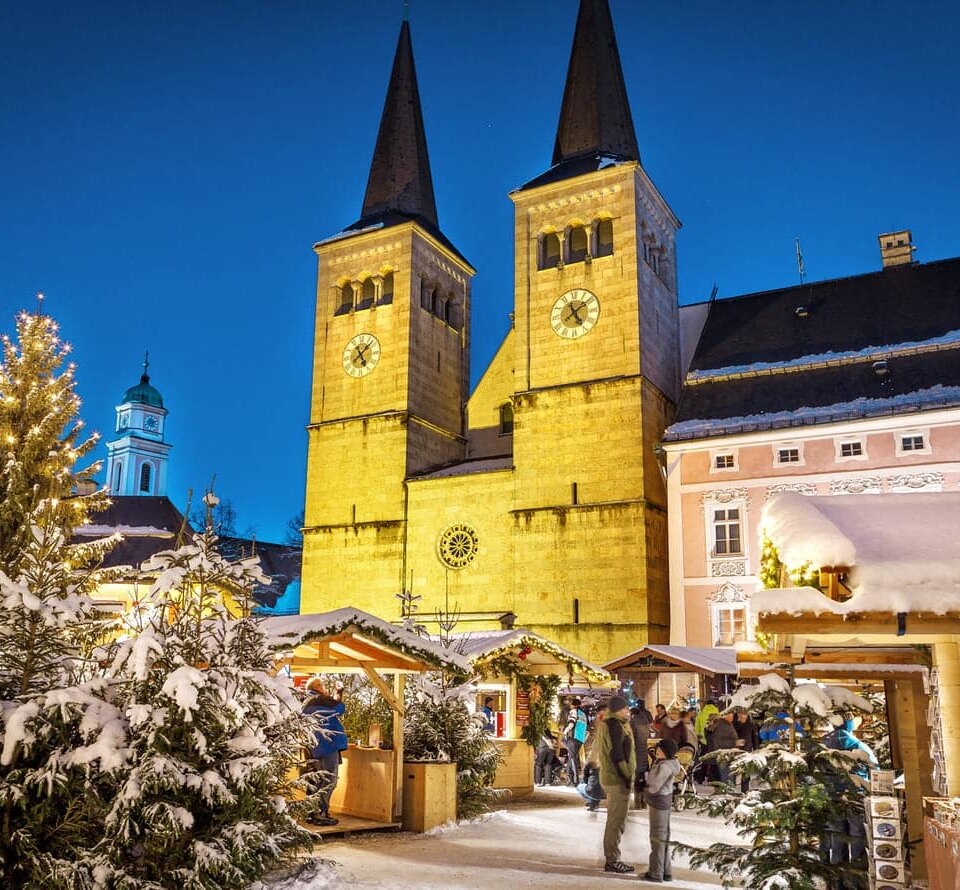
<point>902,551</point>
<point>128,531</point>
<point>289,631</point>
<point>480,465</point>
<point>951,338</point>
<point>930,397</point>
<point>714,661</point>
<point>480,645</point>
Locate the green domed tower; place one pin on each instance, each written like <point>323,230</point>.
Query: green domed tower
<point>137,460</point>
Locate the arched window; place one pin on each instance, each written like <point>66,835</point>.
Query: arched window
<point>145,478</point>
<point>440,306</point>
<point>578,245</point>
<point>368,291</point>
<point>117,476</point>
<point>426,296</point>
<point>506,419</point>
<point>454,313</point>
<point>346,297</point>
<point>549,250</point>
<point>386,289</point>
<point>605,237</point>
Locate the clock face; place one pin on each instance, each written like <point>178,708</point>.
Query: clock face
<point>575,314</point>
<point>361,355</point>
<point>151,423</point>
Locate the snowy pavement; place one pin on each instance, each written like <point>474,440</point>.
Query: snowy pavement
<point>547,840</point>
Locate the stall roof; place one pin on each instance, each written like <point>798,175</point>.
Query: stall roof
<point>704,661</point>
<point>901,552</point>
<point>483,645</point>
<point>349,639</point>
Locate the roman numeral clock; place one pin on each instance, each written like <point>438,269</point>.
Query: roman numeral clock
<point>575,314</point>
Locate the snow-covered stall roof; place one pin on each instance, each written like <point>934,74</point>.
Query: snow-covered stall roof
<point>355,638</point>
<point>706,661</point>
<point>545,656</point>
<point>902,551</point>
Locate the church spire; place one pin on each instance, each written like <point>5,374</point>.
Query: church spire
<point>595,116</point>
<point>400,178</point>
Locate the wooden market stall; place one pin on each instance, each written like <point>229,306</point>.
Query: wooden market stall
<point>506,661</point>
<point>375,785</point>
<point>674,674</point>
<point>869,589</point>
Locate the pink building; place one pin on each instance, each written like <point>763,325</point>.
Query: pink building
<point>849,386</point>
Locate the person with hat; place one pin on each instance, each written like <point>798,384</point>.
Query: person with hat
<point>329,740</point>
<point>659,794</point>
<point>617,758</point>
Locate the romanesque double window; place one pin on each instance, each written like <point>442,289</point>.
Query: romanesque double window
<point>364,293</point>
<point>441,303</point>
<point>577,243</point>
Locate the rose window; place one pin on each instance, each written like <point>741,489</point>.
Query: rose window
<point>458,546</point>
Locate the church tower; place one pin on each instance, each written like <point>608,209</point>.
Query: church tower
<point>391,366</point>
<point>137,459</point>
<point>596,368</point>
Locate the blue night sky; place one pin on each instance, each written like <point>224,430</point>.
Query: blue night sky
<point>166,168</point>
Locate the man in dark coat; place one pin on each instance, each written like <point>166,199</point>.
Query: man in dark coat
<point>330,739</point>
<point>749,737</point>
<point>724,737</point>
<point>640,724</point>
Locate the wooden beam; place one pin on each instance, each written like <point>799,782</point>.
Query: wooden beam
<point>783,656</point>
<point>399,681</point>
<point>887,623</point>
<point>385,691</point>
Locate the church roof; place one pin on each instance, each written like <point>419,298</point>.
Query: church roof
<point>144,393</point>
<point>595,121</point>
<point>885,342</point>
<point>148,524</point>
<point>400,180</point>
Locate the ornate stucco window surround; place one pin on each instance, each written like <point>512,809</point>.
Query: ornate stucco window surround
<point>727,535</point>
<point>730,615</point>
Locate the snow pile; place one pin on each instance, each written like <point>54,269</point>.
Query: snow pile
<point>902,551</point>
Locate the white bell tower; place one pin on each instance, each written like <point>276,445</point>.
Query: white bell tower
<point>137,460</point>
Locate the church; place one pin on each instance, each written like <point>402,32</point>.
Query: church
<point>539,498</point>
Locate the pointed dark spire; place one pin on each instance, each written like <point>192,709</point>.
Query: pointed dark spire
<point>595,116</point>
<point>400,178</point>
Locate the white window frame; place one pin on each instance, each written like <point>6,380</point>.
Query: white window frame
<point>788,446</point>
<point>909,452</point>
<point>712,530</point>
<point>839,442</point>
<point>717,607</point>
<point>724,452</point>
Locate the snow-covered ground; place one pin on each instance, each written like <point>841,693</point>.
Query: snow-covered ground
<point>548,840</point>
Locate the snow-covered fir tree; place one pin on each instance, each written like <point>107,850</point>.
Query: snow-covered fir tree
<point>47,624</point>
<point>212,736</point>
<point>800,786</point>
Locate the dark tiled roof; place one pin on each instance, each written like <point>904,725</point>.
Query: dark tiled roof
<point>595,115</point>
<point>571,167</point>
<point>396,218</point>
<point>281,562</point>
<point>850,390</point>
<point>400,177</point>
<point>153,524</point>
<point>897,305</point>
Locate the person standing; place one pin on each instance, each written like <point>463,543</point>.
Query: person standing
<point>489,719</point>
<point>546,757</point>
<point>640,726</point>
<point>617,757</point>
<point>330,739</point>
<point>659,793</point>
<point>724,737</point>
<point>659,715</point>
<point>749,740</point>
<point>574,735</point>
<point>703,718</point>
<point>689,733</point>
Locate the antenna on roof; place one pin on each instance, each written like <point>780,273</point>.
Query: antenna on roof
<point>715,291</point>
<point>800,268</point>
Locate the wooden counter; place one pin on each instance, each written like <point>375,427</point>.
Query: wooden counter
<point>365,785</point>
<point>515,771</point>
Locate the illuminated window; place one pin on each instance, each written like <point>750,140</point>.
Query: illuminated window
<point>578,245</point>
<point>727,539</point>
<point>549,251</point>
<point>730,623</point>
<point>605,237</point>
<point>145,478</point>
<point>506,419</point>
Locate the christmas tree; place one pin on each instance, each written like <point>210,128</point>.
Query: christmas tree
<point>801,789</point>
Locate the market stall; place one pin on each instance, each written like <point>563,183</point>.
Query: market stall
<point>372,780</point>
<point>523,673</point>
<point>869,588</point>
<point>685,676</point>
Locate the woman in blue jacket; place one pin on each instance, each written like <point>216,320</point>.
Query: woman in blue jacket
<point>330,740</point>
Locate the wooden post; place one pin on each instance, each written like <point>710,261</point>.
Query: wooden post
<point>399,680</point>
<point>946,658</point>
<point>914,749</point>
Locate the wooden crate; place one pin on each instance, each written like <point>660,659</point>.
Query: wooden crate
<point>429,795</point>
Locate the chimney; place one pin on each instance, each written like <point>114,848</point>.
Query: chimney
<point>896,248</point>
